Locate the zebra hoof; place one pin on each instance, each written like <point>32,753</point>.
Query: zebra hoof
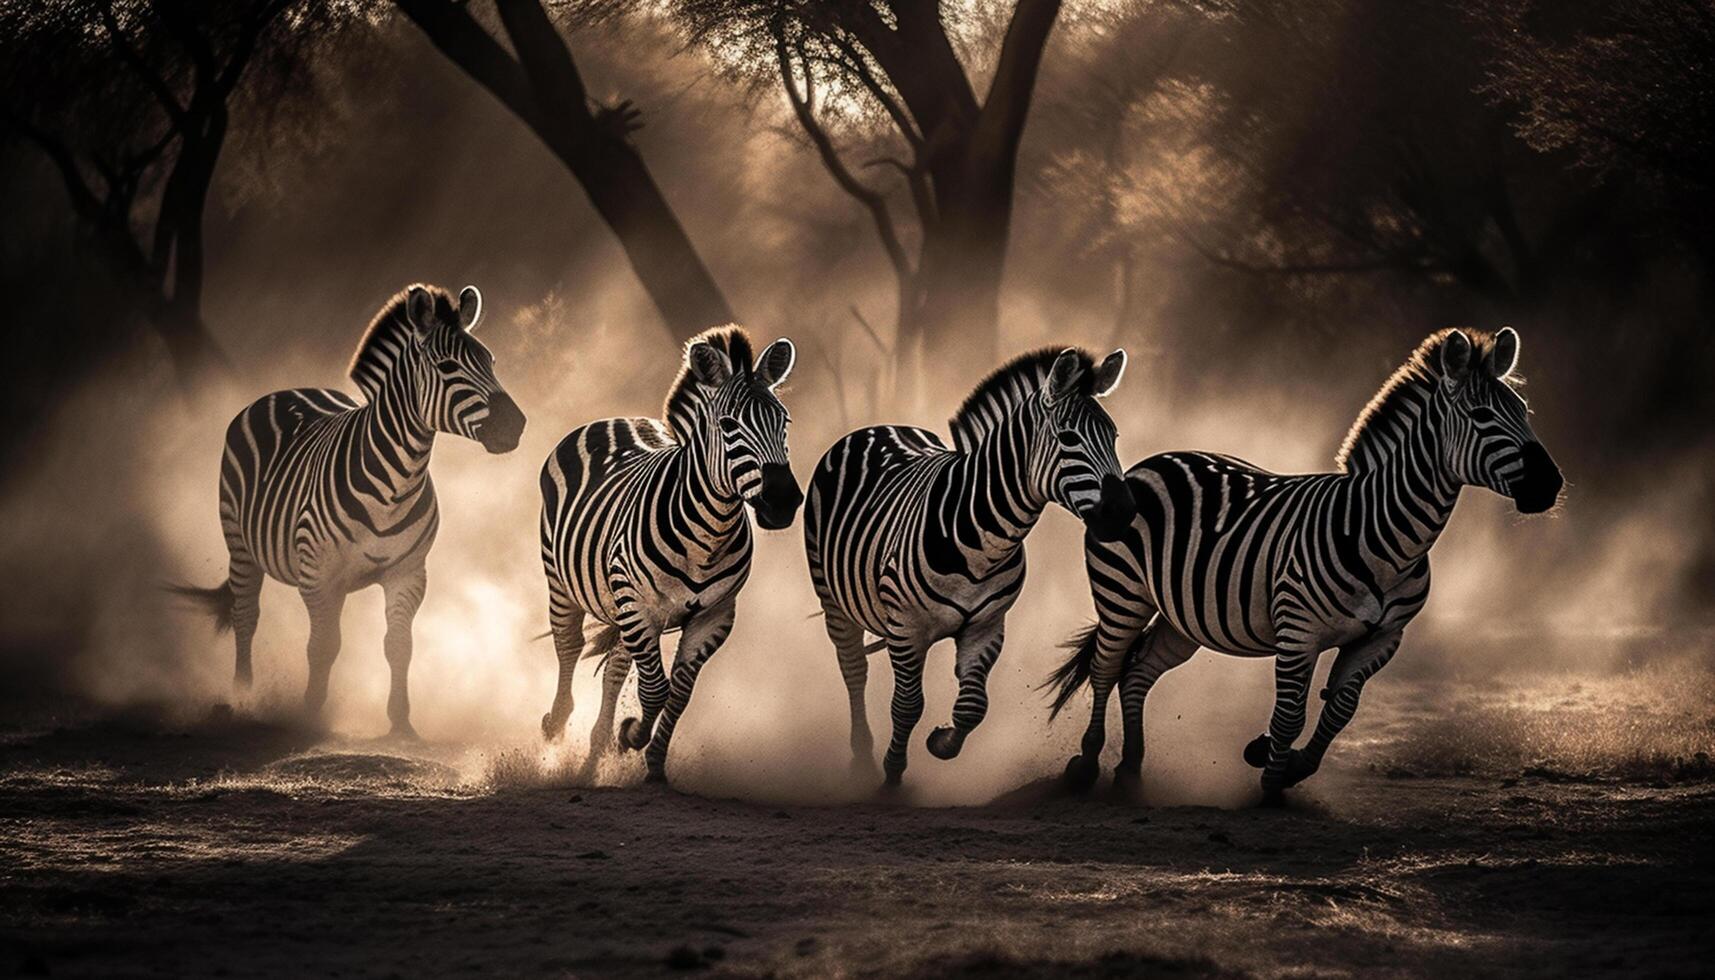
<point>404,732</point>
<point>1128,783</point>
<point>655,775</point>
<point>631,735</point>
<point>550,731</point>
<point>1256,753</point>
<point>945,743</point>
<point>1273,799</point>
<point>1081,773</point>
<point>1299,768</point>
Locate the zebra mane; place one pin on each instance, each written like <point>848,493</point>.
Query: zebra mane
<point>1420,371</point>
<point>1006,387</point>
<point>685,398</point>
<point>387,334</point>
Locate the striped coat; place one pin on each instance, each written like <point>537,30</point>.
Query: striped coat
<point>329,495</point>
<point>914,541</point>
<point>644,531</point>
<point>1231,557</point>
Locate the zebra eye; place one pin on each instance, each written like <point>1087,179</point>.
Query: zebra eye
<point>449,366</point>
<point>1068,438</point>
<point>1482,415</point>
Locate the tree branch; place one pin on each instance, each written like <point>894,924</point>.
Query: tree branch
<point>546,62</point>
<point>1001,120</point>
<point>83,200</point>
<point>804,108</point>
<point>456,34</point>
<point>129,54</point>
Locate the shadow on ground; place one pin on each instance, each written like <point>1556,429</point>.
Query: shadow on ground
<point>219,846</point>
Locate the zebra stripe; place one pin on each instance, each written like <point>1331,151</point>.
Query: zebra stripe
<point>330,495</point>
<point>1230,557</point>
<point>914,542</point>
<point>643,530</point>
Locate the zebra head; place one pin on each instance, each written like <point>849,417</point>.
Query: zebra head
<point>459,393</point>
<point>1072,456</point>
<point>1486,431</point>
<point>747,443</point>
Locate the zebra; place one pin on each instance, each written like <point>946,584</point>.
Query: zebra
<point>1250,563</point>
<point>914,542</point>
<point>643,530</point>
<point>331,496</point>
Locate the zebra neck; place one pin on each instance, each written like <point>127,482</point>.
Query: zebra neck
<point>1412,493</point>
<point>716,513</point>
<point>397,440</point>
<point>997,506</point>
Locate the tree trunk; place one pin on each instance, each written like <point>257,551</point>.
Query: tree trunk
<point>964,255</point>
<point>665,262</point>
<point>542,87</point>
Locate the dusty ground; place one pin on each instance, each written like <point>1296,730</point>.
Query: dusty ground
<point>132,845</point>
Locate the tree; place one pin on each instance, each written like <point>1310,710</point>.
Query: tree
<point>538,81</point>
<point>956,155</point>
<point>130,100</point>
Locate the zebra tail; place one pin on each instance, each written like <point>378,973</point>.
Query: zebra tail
<point>603,644</point>
<point>217,602</point>
<point>1075,672</point>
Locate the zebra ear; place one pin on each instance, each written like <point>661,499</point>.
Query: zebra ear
<point>420,310</point>
<point>776,362</point>
<point>470,308</point>
<point>1503,357</point>
<point>709,363</point>
<point>1063,377</point>
<point>1109,372</point>
<point>1455,358</point>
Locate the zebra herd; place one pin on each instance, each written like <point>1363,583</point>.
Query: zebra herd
<point>908,539</point>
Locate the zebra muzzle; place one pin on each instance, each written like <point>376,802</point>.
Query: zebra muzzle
<point>1113,512</point>
<point>777,502</point>
<point>501,429</point>
<point>1538,487</point>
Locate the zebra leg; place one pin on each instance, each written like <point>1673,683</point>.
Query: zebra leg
<point>566,622</point>
<point>1354,665</point>
<point>978,648</point>
<point>613,675</point>
<point>847,637</point>
<point>907,657</point>
<point>244,578</point>
<point>703,635</point>
<point>1292,673</point>
<point>645,651</point>
<point>1163,648</point>
<point>325,609</point>
<point>1112,643</point>
<point>404,593</point>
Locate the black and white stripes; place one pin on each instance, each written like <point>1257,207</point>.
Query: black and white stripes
<point>1250,563</point>
<point>914,542</point>
<point>643,529</point>
<point>330,496</point>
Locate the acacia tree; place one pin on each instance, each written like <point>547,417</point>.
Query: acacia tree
<point>130,100</point>
<point>955,154</point>
<point>538,81</point>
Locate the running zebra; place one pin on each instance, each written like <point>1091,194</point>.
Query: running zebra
<point>330,496</point>
<point>643,529</point>
<point>915,542</point>
<point>1250,563</point>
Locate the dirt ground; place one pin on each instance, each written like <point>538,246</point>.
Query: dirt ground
<point>136,846</point>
